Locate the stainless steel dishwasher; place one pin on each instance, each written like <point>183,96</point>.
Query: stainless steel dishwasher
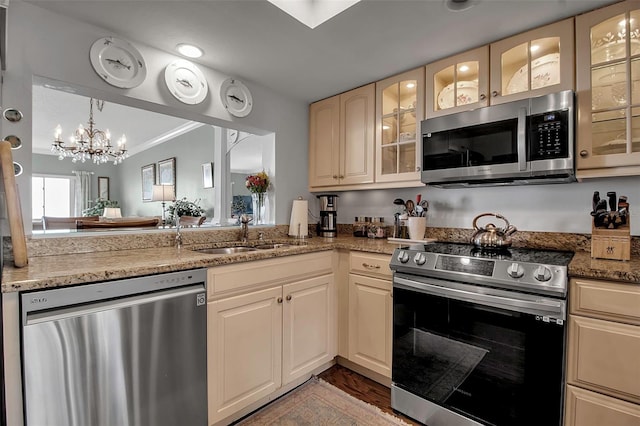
<point>127,352</point>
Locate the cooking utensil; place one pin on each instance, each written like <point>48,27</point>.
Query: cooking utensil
<point>491,236</point>
<point>613,200</point>
<point>410,205</point>
<point>424,204</point>
<point>418,199</point>
<point>398,202</point>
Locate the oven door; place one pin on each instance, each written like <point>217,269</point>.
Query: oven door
<point>494,356</point>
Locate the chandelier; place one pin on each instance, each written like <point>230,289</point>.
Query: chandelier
<point>90,143</point>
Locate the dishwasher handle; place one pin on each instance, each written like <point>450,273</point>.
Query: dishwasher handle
<point>200,299</point>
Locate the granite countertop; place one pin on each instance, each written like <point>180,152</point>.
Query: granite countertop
<point>68,269</point>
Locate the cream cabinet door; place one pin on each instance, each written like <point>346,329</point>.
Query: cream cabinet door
<point>324,142</point>
<point>357,117</point>
<point>309,326</point>
<point>604,356</point>
<point>608,85</point>
<point>370,323</point>
<point>244,347</point>
<point>585,408</point>
<point>458,83</point>
<point>533,63</point>
<point>399,110</point>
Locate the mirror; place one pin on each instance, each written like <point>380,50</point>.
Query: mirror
<point>182,150</point>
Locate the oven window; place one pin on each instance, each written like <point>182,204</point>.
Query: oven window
<point>484,144</point>
<point>495,366</point>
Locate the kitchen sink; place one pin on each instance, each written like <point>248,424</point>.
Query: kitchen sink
<point>225,250</point>
<point>272,246</point>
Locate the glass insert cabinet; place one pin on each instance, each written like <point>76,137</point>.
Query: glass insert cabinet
<point>608,85</point>
<point>534,63</point>
<point>399,110</point>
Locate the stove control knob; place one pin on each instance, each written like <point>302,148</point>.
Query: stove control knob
<point>542,274</point>
<point>515,271</point>
<point>403,257</point>
<point>420,258</point>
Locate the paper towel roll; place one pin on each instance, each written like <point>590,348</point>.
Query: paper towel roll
<point>299,218</point>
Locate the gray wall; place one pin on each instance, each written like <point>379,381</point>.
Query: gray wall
<point>46,46</point>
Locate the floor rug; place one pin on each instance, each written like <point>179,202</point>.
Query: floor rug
<point>316,402</point>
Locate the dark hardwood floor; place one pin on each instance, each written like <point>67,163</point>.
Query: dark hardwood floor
<point>362,388</point>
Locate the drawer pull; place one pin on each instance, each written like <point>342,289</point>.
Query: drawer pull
<point>367,266</point>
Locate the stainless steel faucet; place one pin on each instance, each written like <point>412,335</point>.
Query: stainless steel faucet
<point>244,228</point>
<point>178,234</point>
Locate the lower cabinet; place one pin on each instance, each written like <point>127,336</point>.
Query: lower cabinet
<point>603,359</point>
<point>370,312</point>
<point>260,340</point>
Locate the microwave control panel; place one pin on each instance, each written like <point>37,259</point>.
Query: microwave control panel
<point>549,135</point>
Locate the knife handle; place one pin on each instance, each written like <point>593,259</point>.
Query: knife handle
<point>613,200</point>
<point>596,199</point>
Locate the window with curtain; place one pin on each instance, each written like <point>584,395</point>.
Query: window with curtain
<point>52,196</point>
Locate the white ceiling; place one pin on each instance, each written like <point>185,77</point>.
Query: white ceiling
<point>256,41</point>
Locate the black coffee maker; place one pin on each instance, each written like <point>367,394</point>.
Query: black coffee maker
<point>328,216</point>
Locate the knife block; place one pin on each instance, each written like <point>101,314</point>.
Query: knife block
<point>614,244</point>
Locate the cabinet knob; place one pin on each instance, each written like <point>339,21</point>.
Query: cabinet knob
<point>279,299</point>
<point>417,169</point>
<point>483,96</point>
<point>288,297</point>
<point>494,93</point>
<point>341,176</point>
<point>584,153</point>
<point>335,176</point>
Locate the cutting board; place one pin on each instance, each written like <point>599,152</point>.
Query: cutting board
<point>14,211</point>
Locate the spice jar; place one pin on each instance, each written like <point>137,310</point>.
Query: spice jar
<point>361,226</point>
<point>376,228</point>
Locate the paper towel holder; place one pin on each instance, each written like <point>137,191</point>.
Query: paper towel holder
<point>299,225</point>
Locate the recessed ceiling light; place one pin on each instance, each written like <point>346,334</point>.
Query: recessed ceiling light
<point>463,68</point>
<point>189,50</point>
<point>459,5</point>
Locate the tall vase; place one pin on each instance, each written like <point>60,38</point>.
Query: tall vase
<point>258,201</point>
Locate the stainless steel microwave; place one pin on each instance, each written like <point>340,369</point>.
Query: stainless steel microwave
<point>522,142</point>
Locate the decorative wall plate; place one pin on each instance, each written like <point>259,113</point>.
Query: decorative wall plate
<point>236,97</point>
<point>117,62</point>
<point>186,82</point>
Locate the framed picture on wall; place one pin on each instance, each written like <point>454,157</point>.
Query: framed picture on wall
<point>167,171</point>
<point>207,175</point>
<point>148,180</point>
<point>103,187</point>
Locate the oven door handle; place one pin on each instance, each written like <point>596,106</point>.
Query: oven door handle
<point>542,306</point>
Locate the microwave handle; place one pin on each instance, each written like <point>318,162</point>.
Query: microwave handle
<point>522,139</point>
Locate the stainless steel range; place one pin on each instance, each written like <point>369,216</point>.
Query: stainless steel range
<point>479,335</point>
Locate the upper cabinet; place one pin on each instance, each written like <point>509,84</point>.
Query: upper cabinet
<point>608,86</point>
<point>534,63</point>
<point>399,109</point>
<point>458,83</point>
<point>341,139</point>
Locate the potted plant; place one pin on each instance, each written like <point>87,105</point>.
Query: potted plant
<point>183,207</point>
<point>98,205</point>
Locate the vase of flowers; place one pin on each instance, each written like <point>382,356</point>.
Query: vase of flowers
<point>258,184</point>
<point>183,207</point>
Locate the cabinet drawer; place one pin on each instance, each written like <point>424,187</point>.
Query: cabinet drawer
<point>606,300</point>
<point>585,408</point>
<point>603,356</point>
<point>268,272</point>
<point>372,264</point>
